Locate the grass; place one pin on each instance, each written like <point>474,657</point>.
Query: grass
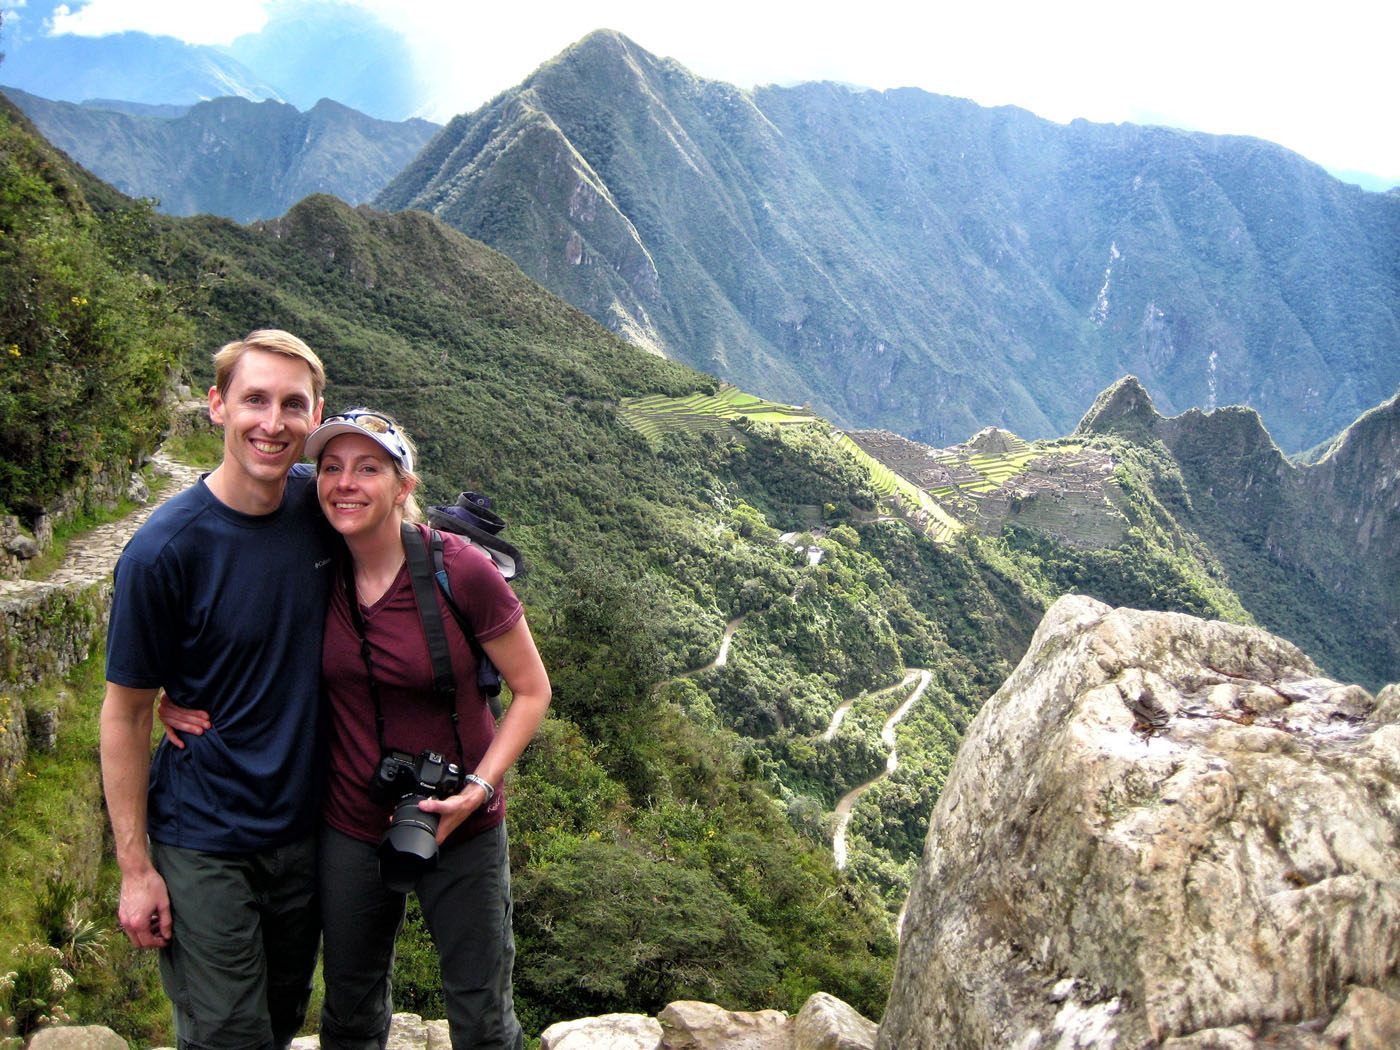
<point>656,415</point>
<point>52,822</point>
<point>203,449</point>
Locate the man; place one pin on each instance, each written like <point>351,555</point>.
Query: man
<point>219,600</point>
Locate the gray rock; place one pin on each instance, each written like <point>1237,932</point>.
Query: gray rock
<point>43,729</point>
<point>22,546</point>
<point>609,1032</point>
<point>1368,1020</point>
<point>406,1032</point>
<point>827,1023</point>
<point>1208,869</point>
<point>77,1037</point>
<point>137,490</point>
<point>704,1026</point>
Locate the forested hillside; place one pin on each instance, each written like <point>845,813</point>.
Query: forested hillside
<point>923,264</point>
<point>671,826</point>
<point>86,340</point>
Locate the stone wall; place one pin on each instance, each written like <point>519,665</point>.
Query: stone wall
<point>48,627</point>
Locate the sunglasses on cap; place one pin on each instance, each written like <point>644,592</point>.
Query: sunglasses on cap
<point>381,429</point>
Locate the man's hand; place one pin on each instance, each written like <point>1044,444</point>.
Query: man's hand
<point>144,910</point>
<point>175,720</point>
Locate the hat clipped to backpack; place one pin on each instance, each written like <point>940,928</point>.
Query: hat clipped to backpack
<point>471,516</point>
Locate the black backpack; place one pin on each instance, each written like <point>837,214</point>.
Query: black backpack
<point>472,518</point>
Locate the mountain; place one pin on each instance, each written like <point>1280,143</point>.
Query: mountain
<point>672,827</point>
<point>135,67</point>
<point>245,160</point>
<point>922,264</point>
<point>1293,539</point>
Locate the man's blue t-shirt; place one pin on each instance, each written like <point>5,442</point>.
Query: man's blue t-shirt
<point>225,611</point>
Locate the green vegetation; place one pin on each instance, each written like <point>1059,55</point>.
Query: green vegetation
<point>87,341</point>
<point>62,878</point>
<point>655,415</point>
<point>670,826</point>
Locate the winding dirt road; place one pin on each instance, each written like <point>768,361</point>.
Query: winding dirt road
<point>848,801</point>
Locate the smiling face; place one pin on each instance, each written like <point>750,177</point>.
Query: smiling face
<point>267,410</point>
<point>361,493</point>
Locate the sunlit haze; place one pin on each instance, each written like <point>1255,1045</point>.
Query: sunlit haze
<point>1312,77</point>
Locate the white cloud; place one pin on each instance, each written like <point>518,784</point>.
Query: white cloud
<point>196,22</point>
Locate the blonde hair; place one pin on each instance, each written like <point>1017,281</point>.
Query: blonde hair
<point>412,510</point>
<point>273,341</point>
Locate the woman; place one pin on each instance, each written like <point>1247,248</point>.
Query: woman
<point>365,483</point>
<point>375,662</point>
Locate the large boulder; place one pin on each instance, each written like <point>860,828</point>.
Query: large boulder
<point>608,1032</point>
<point>1160,831</point>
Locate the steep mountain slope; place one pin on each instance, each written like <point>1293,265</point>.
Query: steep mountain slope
<point>87,341</point>
<point>920,263</point>
<point>1313,550</point>
<point>231,157</point>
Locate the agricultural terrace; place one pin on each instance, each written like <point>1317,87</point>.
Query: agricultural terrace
<point>656,415</point>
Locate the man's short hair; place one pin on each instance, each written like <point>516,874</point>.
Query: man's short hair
<point>273,341</point>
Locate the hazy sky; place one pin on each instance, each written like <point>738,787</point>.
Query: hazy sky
<point>1310,76</point>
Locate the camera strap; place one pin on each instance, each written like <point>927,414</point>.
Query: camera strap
<point>444,681</point>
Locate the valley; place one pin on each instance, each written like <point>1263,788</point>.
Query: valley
<point>769,626</point>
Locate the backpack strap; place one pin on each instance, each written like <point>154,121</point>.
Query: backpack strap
<point>488,679</point>
<point>444,681</point>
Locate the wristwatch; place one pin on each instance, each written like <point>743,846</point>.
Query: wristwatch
<point>481,782</point>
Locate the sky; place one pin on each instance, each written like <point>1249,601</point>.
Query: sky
<point>1318,78</point>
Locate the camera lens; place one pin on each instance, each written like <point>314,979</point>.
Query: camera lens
<point>409,848</point>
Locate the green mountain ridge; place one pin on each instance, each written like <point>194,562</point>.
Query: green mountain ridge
<point>671,826</point>
<point>1315,536</point>
<point>922,264</point>
<point>230,156</point>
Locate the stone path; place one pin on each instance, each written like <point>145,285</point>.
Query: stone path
<point>92,556</point>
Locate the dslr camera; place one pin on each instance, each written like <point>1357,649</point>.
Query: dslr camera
<point>409,848</point>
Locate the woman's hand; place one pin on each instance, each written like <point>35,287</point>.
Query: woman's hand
<point>516,657</point>
<point>452,811</point>
<point>175,720</point>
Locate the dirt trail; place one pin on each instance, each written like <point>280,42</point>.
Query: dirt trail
<point>92,556</point>
<point>848,801</point>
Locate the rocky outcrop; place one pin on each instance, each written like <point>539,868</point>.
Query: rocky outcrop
<point>824,1023</point>
<point>1160,831</point>
<point>1290,535</point>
